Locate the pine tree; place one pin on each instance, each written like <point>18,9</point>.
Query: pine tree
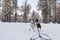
<point>53,11</point>
<point>48,8</point>
<point>7,10</point>
<point>26,9</point>
<point>14,6</point>
<point>43,5</point>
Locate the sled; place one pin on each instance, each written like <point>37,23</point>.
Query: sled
<point>42,37</point>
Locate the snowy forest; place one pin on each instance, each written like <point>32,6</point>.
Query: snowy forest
<point>29,19</point>
<point>46,11</point>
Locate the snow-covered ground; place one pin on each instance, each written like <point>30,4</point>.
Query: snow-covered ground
<point>20,31</point>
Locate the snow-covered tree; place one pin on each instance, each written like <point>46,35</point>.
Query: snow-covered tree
<point>53,10</point>
<point>9,6</point>
<point>48,8</point>
<point>14,7</point>
<point>26,9</point>
<point>58,13</point>
<point>43,5</point>
<point>7,10</point>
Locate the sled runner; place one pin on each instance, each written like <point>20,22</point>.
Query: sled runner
<point>42,37</point>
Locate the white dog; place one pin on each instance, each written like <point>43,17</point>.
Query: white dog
<point>32,25</point>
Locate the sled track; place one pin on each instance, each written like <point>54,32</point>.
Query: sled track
<point>42,38</point>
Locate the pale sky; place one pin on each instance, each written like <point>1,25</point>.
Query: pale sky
<point>33,3</point>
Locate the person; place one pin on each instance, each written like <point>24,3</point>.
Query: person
<point>38,26</point>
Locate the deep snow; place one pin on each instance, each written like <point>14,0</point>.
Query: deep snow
<point>20,31</point>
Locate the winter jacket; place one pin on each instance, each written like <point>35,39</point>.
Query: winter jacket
<point>38,25</point>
